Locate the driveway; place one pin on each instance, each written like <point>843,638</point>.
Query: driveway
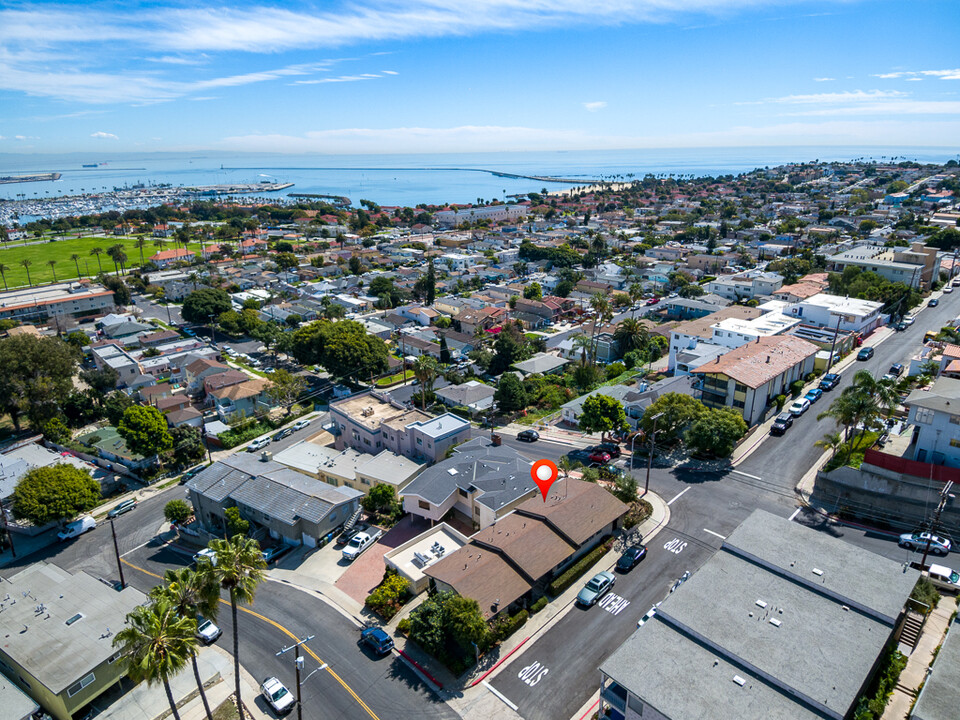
<point>366,572</point>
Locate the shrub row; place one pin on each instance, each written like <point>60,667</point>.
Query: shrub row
<point>538,605</point>
<point>570,576</point>
<point>505,627</point>
<point>871,707</point>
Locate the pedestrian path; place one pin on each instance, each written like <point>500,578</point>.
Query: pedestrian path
<point>915,673</point>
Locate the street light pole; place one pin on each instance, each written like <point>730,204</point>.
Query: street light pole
<point>116,550</point>
<point>298,662</point>
<point>653,435</point>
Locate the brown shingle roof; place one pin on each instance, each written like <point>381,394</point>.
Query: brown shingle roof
<point>250,388</point>
<point>533,546</point>
<point>576,509</point>
<point>482,575</point>
<point>760,361</point>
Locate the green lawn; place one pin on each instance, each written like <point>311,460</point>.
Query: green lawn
<point>60,250</point>
<point>390,379</point>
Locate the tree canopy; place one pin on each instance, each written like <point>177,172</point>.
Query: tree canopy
<point>715,432</point>
<point>510,394</point>
<point>145,430</point>
<point>344,348</point>
<point>602,414</point>
<point>54,493</point>
<point>37,375</point>
<point>201,304</point>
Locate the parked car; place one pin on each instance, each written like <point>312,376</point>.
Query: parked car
<point>360,542</point>
<point>933,303</point>
<point>653,301</point>
<point>918,541</point>
<point>829,382</point>
<point>631,556</point>
<point>612,472</point>
<point>783,423</point>
<point>896,370</point>
<point>941,576</point>
<point>258,444</point>
<point>347,535</point>
<point>865,353</point>
<point>947,290</point>
<point>189,474</point>
<point>206,555</point>
<point>273,553</point>
<point>611,448</point>
<point>301,424</point>
<point>121,508</point>
<point>277,696</point>
<point>286,432</point>
<point>955,283</point>
<point>813,395</point>
<point>799,407</point>
<point>599,456</point>
<point>207,630</point>
<point>908,320</point>
<point>77,528</point>
<point>596,588</point>
<point>528,436</point>
<point>580,456</point>
<point>377,639</point>
<point>900,326</point>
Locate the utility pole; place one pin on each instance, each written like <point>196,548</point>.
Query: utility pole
<point>833,345</point>
<point>298,662</point>
<point>116,550</point>
<point>653,435</point>
<point>945,495</point>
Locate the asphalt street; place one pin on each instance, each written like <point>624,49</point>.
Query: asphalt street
<point>150,309</point>
<point>705,507</point>
<point>386,686</point>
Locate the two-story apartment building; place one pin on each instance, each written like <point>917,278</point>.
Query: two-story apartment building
<point>688,335</point>
<point>853,315</point>
<point>58,637</point>
<point>749,377</point>
<point>745,286</point>
<point>936,415</point>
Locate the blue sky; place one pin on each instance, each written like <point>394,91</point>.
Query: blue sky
<point>398,76</point>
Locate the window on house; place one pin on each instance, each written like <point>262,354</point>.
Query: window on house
<point>78,686</point>
<point>423,504</point>
<point>954,442</point>
<point>463,493</point>
<point>924,416</point>
<point>955,419</point>
<point>366,441</point>
<point>113,658</point>
<point>419,441</point>
<point>740,387</point>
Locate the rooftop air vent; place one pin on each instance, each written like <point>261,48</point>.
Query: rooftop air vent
<point>761,603</point>
<point>775,622</point>
<point>818,572</point>
<point>739,680</point>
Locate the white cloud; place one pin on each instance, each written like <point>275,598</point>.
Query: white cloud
<point>953,74</point>
<point>892,107</point>
<point>850,96</point>
<point>2,137</point>
<point>104,135</point>
<point>824,79</point>
<point>390,72</point>
<point>22,138</point>
<point>595,106</point>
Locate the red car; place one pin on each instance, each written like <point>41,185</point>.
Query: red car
<point>653,301</point>
<point>599,456</point>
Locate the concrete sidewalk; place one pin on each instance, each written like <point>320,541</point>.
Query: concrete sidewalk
<point>915,673</point>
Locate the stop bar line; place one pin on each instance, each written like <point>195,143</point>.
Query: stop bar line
<point>500,695</point>
<point>677,496</point>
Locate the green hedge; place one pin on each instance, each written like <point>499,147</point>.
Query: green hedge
<point>570,576</point>
<point>505,627</point>
<point>538,605</point>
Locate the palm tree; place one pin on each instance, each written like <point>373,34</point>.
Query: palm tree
<point>831,441</point>
<point>425,371</point>
<point>631,335</point>
<point>141,241</point>
<point>192,594</point>
<point>76,261</point>
<point>157,643</point>
<point>118,256</point>
<point>53,268</point>
<point>238,570</point>
<point>194,278</point>
<point>636,294</point>
<point>3,274</point>
<point>26,266</point>
<point>585,345</point>
<point>601,305</point>
<point>97,251</point>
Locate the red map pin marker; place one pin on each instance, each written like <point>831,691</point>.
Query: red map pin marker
<point>544,474</point>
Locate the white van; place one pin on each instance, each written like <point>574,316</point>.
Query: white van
<point>77,528</point>
<point>944,578</point>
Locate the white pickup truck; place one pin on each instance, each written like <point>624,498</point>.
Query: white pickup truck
<point>360,542</point>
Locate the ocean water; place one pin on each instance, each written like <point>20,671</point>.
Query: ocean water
<point>412,179</point>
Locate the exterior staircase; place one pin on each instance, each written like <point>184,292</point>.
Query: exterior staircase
<point>912,628</point>
<point>353,519</point>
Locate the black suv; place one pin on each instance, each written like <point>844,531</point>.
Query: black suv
<point>611,449</point>
<point>781,424</point>
<point>829,382</point>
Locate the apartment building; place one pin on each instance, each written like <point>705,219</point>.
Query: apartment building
<point>38,304</point>
<point>491,213</point>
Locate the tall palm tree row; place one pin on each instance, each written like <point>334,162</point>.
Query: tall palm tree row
<point>76,261</point>
<point>53,268</point>
<point>157,643</point>
<point>98,251</point>
<point>239,570</point>
<point>3,274</point>
<point>425,371</point>
<point>26,266</point>
<point>194,595</point>
<point>861,405</point>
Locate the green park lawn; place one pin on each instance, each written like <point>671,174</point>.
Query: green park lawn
<point>12,254</point>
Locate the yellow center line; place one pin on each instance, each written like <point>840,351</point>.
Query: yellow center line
<point>280,627</point>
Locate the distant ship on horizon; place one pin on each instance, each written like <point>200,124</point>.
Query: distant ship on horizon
<point>93,165</point>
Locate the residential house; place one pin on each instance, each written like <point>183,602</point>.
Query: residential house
<point>199,370</point>
<point>745,286</point>
<point>248,399</point>
<point>473,395</point>
<point>935,414</point>
<point>688,334</point>
<point>62,653</point>
<point>917,268</point>
<point>774,625</point>
<point>832,311</point>
<point>749,377</point>
<point>486,319</point>
<point>541,363</point>
<point>288,505</point>
<point>517,556</point>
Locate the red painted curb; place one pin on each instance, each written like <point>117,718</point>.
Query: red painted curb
<point>590,709</point>
<point>420,667</point>
<point>499,662</point>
